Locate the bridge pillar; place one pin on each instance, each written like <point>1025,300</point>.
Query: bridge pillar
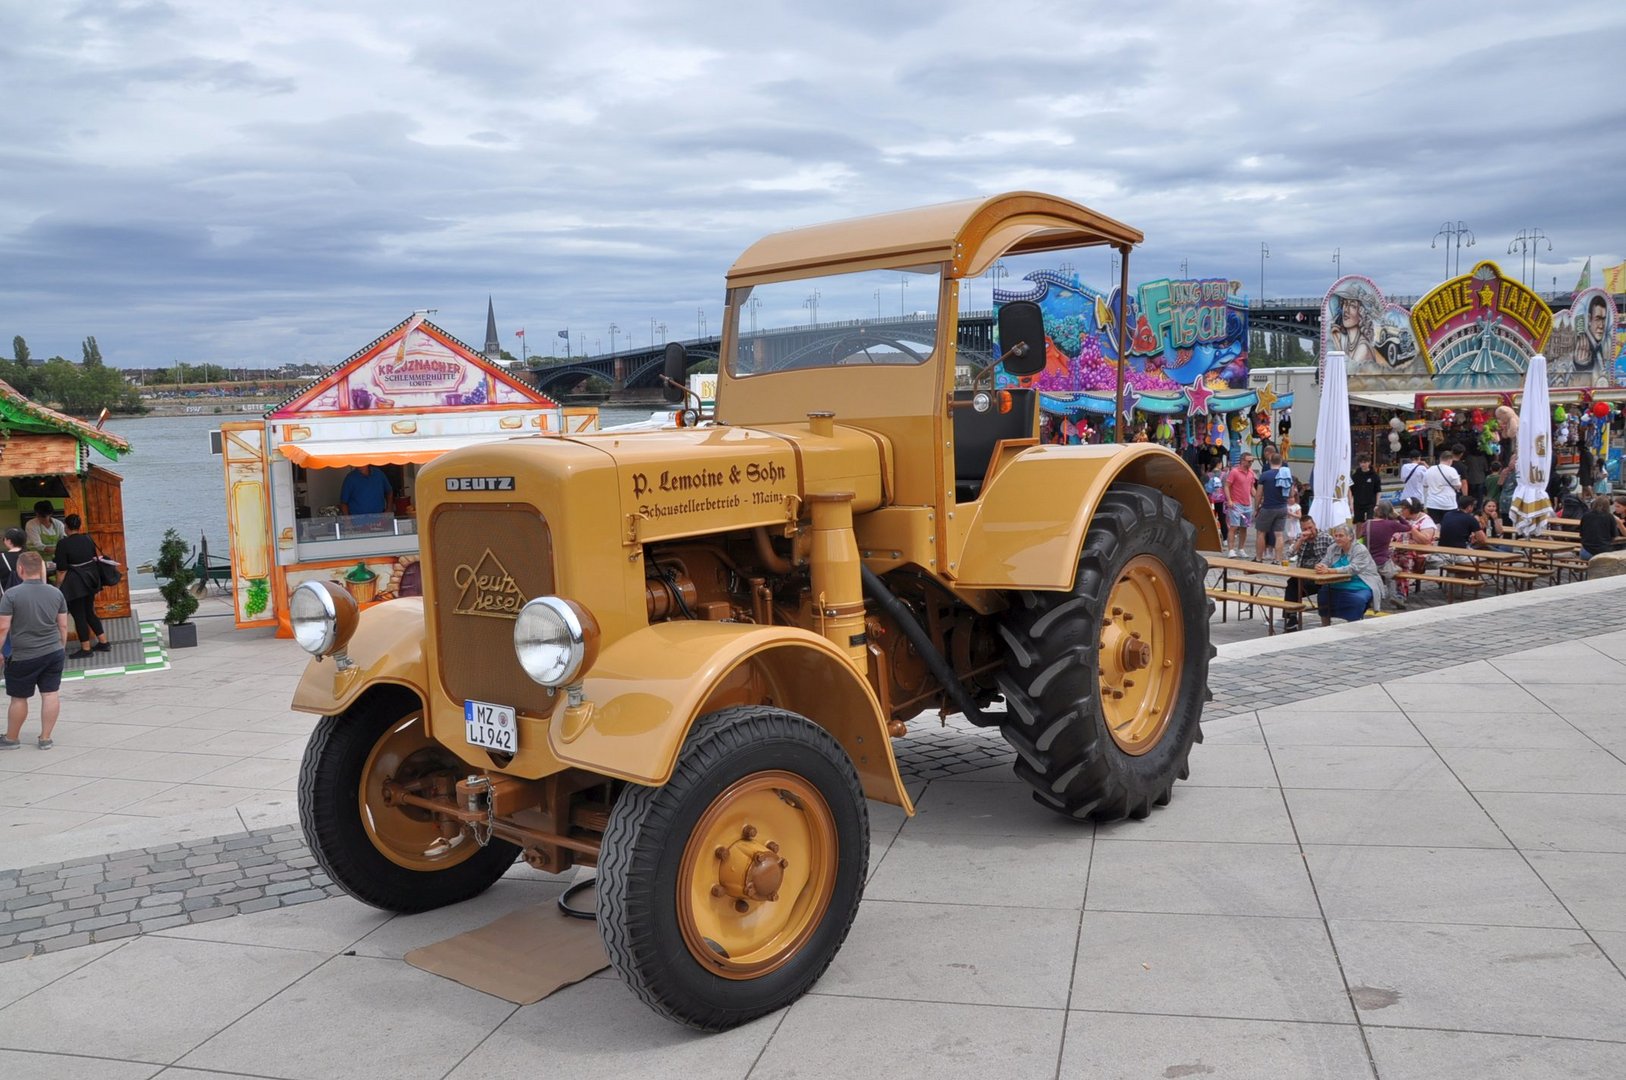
<point>621,373</point>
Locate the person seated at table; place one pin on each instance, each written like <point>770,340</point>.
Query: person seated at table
<point>1459,528</point>
<point>1307,551</point>
<point>1420,529</point>
<point>1600,529</point>
<point>1349,600</point>
<point>1382,531</point>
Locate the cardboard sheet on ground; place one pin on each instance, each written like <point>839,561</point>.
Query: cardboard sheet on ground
<point>522,957</point>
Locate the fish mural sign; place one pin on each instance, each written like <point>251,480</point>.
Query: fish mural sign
<point>1184,333</point>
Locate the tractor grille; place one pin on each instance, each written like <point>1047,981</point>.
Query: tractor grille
<point>488,561</point>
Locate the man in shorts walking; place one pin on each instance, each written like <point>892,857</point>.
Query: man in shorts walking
<point>36,616</point>
<point>1239,504</point>
<point>1275,486</point>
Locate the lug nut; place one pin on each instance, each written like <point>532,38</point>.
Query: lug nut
<point>773,846</point>
<point>716,890</point>
<point>749,832</point>
<point>741,906</point>
<point>721,852</point>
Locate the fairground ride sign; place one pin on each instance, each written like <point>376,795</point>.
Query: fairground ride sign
<point>1480,328</point>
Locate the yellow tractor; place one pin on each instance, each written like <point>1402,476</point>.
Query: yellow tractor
<point>681,656</point>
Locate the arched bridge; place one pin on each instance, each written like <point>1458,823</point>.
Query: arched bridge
<point>633,369</point>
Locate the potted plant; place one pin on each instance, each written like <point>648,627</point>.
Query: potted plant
<point>170,567</point>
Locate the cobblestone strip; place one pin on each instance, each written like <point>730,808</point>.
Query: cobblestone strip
<point>59,906</point>
<point>63,905</point>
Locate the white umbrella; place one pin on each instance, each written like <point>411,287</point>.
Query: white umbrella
<point>1329,478</point>
<point>1531,507</point>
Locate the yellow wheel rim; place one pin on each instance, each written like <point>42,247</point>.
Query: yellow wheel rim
<point>406,835</point>
<point>1143,645</point>
<point>757,875</point>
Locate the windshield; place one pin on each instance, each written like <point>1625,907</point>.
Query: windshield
<point>868,317</point>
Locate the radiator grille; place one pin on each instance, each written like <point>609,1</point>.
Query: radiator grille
<point>489,559</point>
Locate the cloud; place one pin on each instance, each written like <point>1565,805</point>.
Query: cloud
<point>189,180</point>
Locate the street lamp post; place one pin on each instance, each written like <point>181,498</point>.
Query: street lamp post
<point>812,305</point>
<point>877,303</point>
<point>1337,262</point>
<point>1184,270</point>
<point>903,289</point>
<point>663,333</point>
<point>996,273</point>
<point>1454,232</point>
<point>1264,253</point>
<point>700,322</point>
<point>1528,241</point>
<point>751,305</point>
<point>613,329</point>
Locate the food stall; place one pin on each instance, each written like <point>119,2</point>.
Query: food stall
<point>323,487</point>
<point>45,455</point>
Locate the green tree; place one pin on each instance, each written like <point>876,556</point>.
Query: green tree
<point>19,351</point>
<point>93,354</point>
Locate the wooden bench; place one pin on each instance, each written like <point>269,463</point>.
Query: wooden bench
<point>1459,579</point>
<point>1271,604</point>
<point>1575,568</point>
<point>1521,577</point>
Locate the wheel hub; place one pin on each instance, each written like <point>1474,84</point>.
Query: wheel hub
<point>1142,645</point>
<point>748,870</point>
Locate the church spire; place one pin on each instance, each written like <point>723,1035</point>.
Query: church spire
<point>493,344</point>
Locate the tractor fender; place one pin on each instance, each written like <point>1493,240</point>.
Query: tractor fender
<point>387,648</point>
<point>646,690</point>
<point>1027,529</point>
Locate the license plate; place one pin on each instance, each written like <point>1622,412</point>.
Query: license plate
<point>491,726</point>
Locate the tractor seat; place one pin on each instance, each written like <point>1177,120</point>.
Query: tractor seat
<point>976,434</point>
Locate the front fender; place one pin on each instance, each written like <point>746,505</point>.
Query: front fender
<point>646,690</point>
<point>1027,529</point>
<point>387,648</point>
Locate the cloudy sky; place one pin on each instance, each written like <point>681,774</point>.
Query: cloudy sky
<point>254,183</point>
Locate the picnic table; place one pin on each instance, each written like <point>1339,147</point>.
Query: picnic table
<point>1255,576</point>
<point>1471,568</point>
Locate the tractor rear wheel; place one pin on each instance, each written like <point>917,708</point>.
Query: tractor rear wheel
<point>725,893</point>
<point>1105,684</point>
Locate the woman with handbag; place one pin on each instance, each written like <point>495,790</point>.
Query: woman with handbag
<point>79,576</point>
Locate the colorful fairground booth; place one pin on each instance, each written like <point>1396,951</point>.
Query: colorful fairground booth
<point>1186,378</point>
<point>45,456</point>
<point>1433,376</point>
<point>323,487</point>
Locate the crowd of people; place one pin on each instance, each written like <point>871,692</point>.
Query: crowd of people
<point>1438,505</point>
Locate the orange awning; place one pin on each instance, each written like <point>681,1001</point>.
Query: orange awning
<point>338,453</point>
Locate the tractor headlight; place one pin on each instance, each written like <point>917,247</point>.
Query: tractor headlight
<point>555,640</point>
<point>324,616</point>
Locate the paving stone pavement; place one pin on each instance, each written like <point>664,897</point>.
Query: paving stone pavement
<point>59,906</point>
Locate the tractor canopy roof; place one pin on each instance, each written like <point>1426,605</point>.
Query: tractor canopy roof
<point>968,235</point>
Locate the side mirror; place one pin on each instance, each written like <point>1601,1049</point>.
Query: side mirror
<point>1022,321</point>
<point>676,371</point>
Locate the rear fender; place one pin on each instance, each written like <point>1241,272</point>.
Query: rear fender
<point>647,689</point>
<point>1026,531</point>
<point>386,648</point>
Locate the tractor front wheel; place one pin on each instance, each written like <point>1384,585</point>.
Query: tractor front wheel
<point>725,893</point>
<point>394,857</point>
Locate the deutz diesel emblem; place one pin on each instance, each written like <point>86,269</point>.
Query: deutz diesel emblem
<point>479,483</point>
<point>486,588</point>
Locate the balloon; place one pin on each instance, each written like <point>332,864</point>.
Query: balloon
<point>1394,441</point>
<point>1600,409</point>
<point>1559,414</point>
<point>1396,424</point>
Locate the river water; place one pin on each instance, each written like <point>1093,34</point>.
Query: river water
<point>172,481</point>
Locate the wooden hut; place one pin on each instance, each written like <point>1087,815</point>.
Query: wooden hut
<point>45,454</point>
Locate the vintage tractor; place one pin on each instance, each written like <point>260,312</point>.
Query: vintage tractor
<point>681,656</point>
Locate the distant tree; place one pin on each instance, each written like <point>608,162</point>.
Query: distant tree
<point>93,354</point>
<point>19,350</point>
